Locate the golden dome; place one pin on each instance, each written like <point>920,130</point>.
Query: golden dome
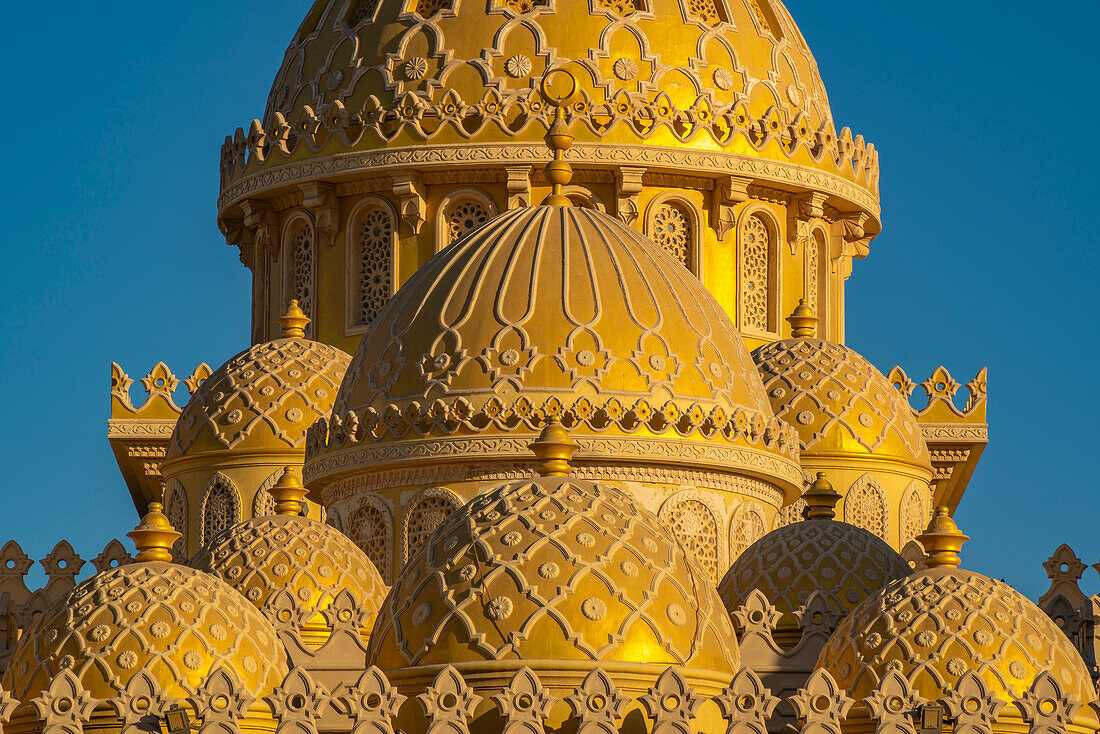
<point>938,623</point>
<point>842,562</point>
<point>839,403</point>
<point>523,320</point>
<point>264,398</point>
<point>560,569</point>
<point>736,78</point>
<point>313,562</point>
<point>174,622</point>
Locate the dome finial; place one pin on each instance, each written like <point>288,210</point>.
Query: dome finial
<point>821,499</point>
<point>554,449</point>
<point>294,321</point>
<point>154,536</point>
<point>558,139</point>
<point>289,493</point>
<point>942,540</point>
<point>803,321</point>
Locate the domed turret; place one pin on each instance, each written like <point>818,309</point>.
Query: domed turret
<point>394,127</point>
<point>558,574</point>
<point>853,424</point>
<point>242,426</point>
<point>844,564</point>
<point>936,625</point>
<point>555,312</point>
<point>173,622</point>
<point>295,567</point>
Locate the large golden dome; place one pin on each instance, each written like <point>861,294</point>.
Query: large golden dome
<point>313,562</point>
<point>935,625</point>
<point>839,403</point>
<point>555,569</point>
<point>843,563</point>
<point>553,311</point>
<point>264,398</point>
<point>176,623</point>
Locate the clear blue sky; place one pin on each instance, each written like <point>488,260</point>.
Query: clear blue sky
<point>981,111</point>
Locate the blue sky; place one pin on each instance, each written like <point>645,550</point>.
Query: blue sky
<point>980,110</point>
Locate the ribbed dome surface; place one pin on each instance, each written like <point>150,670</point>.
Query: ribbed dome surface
<point>554,569</point>
<point>174,622</point>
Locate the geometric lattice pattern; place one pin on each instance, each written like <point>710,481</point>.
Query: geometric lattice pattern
<point>263,504</point>
<point>748,527</point>
<point>525,6</point>
<point>303,272</point>
<point>762,17</point>
<point>934,626</point>
<point>704,10</point>
<point>915,512</point>
<point>175,509</point>
<point>364,9</point>
<point>792,513</point>
<point>755,274</point>
<point>427,514</point>
<point>428,8</point>
<point>813,260</point>
<point>620,7</point>
<point>221,508</point>
<point>865,506</point>
<point>375,264</point>
<point>372,530</point>
<point>846,564</point>
<point>553,567</point>
<point>466,216</point>
<point>672,231</point>
<point>695,526</point>
<point>176,622</point>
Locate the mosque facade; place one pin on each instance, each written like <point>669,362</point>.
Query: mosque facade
<point>548,421</point>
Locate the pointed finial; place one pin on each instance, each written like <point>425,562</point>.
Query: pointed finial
<point>821,499</point>
<point>558,139</point>
<point>803,321</point>
<point>942,541</point>
<point>554,449</point>
<point>154,536</point>
<point>289,493</point>
<point>294,321</point>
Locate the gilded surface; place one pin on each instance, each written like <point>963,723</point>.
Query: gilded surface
<point>552,311</point>
<point>174,622</point>
<point>839,402</point>
<point>937,624</point>
<point>555,568</point>
<point>265,397</point>
<point>846,564</point>
<point>311,560</point>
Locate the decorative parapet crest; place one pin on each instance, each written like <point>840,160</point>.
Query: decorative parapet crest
<point>139,433</point>
<point>955,437</point>
<point>1073,611</point>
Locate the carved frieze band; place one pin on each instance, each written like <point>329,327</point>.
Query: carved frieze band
<point>945,432</point>
<point>123,428</point>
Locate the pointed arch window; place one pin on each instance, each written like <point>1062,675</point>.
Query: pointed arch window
<point>371,528</point>
<point>372,268</point>
<point>425,515</point>
<point>672,225</point>
<point>221,508</point>
<point>865,506</point>
<point>695,526</point>
<point>175,509</point>
<point>301,267</point>
<point>759,276</point>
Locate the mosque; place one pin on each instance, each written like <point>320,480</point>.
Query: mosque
<point>548,423</point>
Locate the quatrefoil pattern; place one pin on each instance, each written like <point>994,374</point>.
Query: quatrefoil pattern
<point>553,569</point>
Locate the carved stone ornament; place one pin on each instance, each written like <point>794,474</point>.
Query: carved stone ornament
<point>598,704</point>
<point>525,704</point>
<point>64,707</point>
<point>671,704</point>
<point>371,702</point>
<point>821,705</point>
<point>449,703</point>
<point>747,704</point>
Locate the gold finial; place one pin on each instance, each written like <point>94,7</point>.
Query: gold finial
<point>154,536</point>
<point>558,139</point>
<point>554,449</point>
<point>289,493</point>
<point>294,321</point>
<point>942,541</point>
<point>821,499</point>
<point>803,321</point>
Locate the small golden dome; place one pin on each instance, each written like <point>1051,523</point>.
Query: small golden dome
<point>310,560</point>
<point>517,323</point>
<point>842,562</point>
<point>174,622</point>
<point>554,568</point>
<point>263,398</point>
<point>935,625</point>
<point>839,403</point>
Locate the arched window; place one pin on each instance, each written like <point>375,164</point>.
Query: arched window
<point>371,270</point>
<point>695,526</point>
<point>673,228</point>
<point>221,508</point>
<point>765,18</point>
<point>371,528</point>
<point>464,216</point>
<point>914,514</point>
<point>175,509</point>
<point>425,514</point>
<point>263,504</point>
<point>748,526</point>
<point>816,258</point>
<point>865,506</point>
<point>758,275</point>
<point>301,267</point>
<point>792,513</point>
